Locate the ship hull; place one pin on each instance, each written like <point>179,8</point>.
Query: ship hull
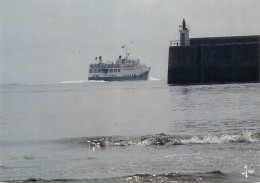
<point>143,76</point>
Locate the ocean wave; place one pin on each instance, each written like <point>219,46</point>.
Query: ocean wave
<point>175,177</point>
<point>81,81</point>
<point>72,82</point>
<point>168,140</point>
<point>53,83</point>
<point>215,176</point>
<point>236,137</point>
<point>153,79</point>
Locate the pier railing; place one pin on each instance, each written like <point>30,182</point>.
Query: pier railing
<point>175,43</point>
<point>181,27</point>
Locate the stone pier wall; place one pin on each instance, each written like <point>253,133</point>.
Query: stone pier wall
<point>215,60</point>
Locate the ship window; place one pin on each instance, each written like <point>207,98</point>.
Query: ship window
<point>118,70</point>
<point>115,70</point>
<point>110,70</point>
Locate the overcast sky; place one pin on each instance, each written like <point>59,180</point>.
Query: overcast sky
<point>47,41</point>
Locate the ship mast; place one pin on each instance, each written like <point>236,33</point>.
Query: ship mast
<point>126,53</point>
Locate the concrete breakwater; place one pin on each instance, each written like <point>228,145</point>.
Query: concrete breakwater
<point>215,60</point>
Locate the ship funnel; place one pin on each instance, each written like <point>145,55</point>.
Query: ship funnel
<point>100,59</point>
<point>184,33</point>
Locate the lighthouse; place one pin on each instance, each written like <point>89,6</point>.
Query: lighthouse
<point>184,34</point>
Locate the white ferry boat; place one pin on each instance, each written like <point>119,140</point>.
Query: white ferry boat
<point>122,69</point>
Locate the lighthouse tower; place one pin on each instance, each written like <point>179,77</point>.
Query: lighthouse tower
<point>184,34</point>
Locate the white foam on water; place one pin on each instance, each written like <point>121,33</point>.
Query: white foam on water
<point>39,83</point>
<point>145,142</point>
<point>171,155</point>
<point>153,79</point>
<point>70,82</point>
<point>96,81</point>
<point>242,136</point>
<point>81,81</point>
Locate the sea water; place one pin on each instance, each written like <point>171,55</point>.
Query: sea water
<point>133,131</point>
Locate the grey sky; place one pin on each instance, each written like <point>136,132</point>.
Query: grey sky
<point>51,41</point>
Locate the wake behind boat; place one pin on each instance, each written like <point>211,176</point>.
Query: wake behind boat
<point>122,69</point>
